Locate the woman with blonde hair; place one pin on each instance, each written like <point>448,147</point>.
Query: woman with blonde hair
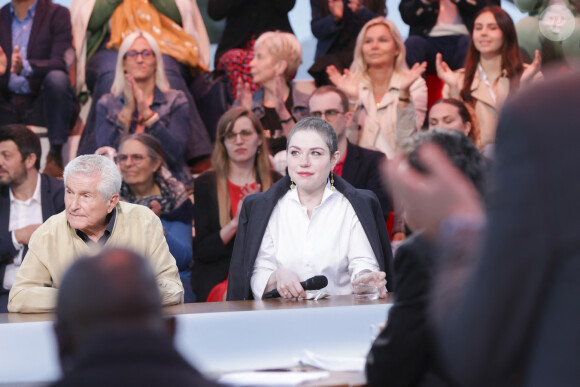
<point>240,167</point>
<point>278,105</point>
<point>390,98</point>
<point>141,101</point>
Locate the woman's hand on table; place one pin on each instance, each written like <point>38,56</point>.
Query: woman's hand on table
<point>288,284</point>
<point>373,278</point>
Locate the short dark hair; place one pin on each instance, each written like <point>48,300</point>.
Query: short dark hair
<point>318,125</point>
<point>332,89</point>
<point>458,147</point>
<point>25,139</point>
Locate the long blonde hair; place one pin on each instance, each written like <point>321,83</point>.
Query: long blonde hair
<point>221,161</point>
<point>160,78</point>
<point>359,68</point>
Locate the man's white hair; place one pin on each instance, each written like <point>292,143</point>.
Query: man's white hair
<point>99,167</point>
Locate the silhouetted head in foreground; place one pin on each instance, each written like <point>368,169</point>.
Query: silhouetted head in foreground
<point>113,292</point>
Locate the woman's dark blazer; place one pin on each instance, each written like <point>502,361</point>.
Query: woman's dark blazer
<point>211,255</point>
<point>254,218</point>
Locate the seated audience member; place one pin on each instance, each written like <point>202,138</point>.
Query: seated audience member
<point>147,181</point>
<point>141,101</point>
<point>245,21</point>
<point>552,28</point>
<point>453,114</point>
<point>358,166</point>
<point>110,328</point>
<point>441,26</point>
<point>35,88</point>
<point>493,69</point>
<point>99,28</point>
<point>27,198</point>
<point>309,223</point>
<point>335,24</point>
<point>93,219</point>
<point>512,318</point>
<point>240,167</point>
<point>391,98</point>
<point>277,103</point>
<point>404,353</point>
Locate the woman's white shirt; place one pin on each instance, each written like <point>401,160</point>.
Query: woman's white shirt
<point>332,243</point>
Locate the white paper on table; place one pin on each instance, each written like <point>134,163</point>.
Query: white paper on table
<point>334,363</point>
<point>287,378</point>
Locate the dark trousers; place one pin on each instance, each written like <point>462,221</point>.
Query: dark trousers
<point>52,107</point>
<point>100,73</point>
<point>453,48</point>
<point>4,303</point>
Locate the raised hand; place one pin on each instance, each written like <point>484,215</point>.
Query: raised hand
<point>336,8</point>
<point>412,75</point>
<point>17,63</point>
<point>530,71</point>
<point>429,198</point>
<point>447,75</point>
<point>243,94</point>
<point>345,82</point>
<point>355,5</point>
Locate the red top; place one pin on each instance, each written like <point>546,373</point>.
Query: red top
<point>236,195</point>
<point>340,165</point>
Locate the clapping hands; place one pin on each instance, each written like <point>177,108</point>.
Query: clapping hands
<point>345,82</point>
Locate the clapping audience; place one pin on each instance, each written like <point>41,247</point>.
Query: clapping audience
<point>141,101</point>
<point>250,231</point>
<point>493,69</point>
<point>277,103</point>
<point>390,98</point>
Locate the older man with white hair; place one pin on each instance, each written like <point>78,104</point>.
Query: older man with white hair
<point>93,219</point>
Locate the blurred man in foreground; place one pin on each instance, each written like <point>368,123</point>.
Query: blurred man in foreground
<point>110,328</point>
<point>514,318</point>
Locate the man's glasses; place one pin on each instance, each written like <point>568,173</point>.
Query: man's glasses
<point>330,115</point>
<point>136,157</point>
<point>245,133</point>
<point>133,54</point>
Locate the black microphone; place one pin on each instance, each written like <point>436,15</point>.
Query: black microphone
<point>315,283</point>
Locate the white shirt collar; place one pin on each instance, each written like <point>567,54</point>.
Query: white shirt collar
<point>327,194</point>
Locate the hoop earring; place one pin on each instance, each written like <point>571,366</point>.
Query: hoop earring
<point>332,181</point>
<point>292,185</point>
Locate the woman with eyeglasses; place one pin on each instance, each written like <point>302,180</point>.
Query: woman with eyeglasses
<point>148,181</point>
<point>240,167</point>
<point>141,101</point>
<point>390,98</point>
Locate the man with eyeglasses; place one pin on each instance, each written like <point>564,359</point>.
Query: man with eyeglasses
<point>35,88</point>
<point>358,166</point>
<point>93,220</point>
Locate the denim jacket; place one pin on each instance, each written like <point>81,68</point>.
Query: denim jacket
<point>172,129</point>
